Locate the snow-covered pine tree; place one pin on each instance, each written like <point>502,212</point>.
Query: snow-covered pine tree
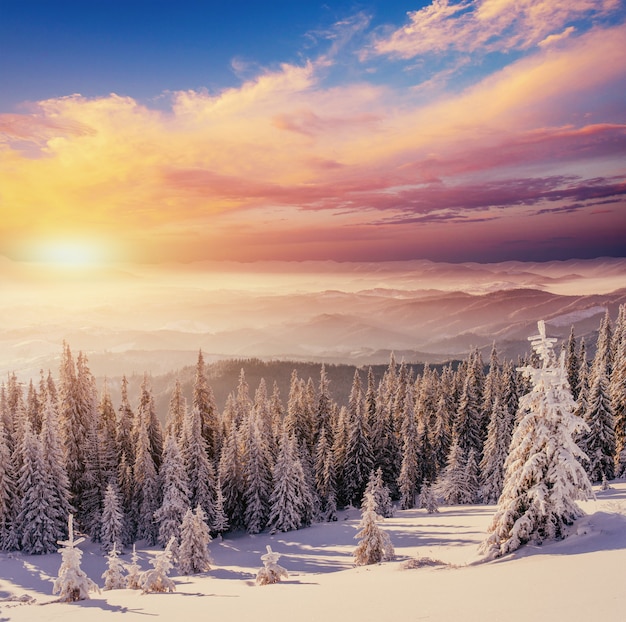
<point>452,485</point>
<point>359,460</point>
<point>200,471</point>
<point>381,494</point>
<point>39,531</point>
<point>271,572</point>
<point>112,524</point>
<point>220,522</point>
<point>146,484</point>
<point>495,451</point>
<point>157,579</point>
<point>408,480</point>
<point>325,483</point>
<point>472,478</point>
<point>231,477</point>
<point>543,475</point>
<point>428,500</point>
<point>7,491</point>
<point>176,412</point>
<point>72,583</point>
<point>257,471</point>
<point>54,460</point>
<point>175,493</point>
<point>598,442</point>
<point>287,498</point>
<point>134,572</point>
<point>374,543</point>
<point>617,389</point>
<point>125,426</point>
<point>203,401</point>
<point>114,576</point>
<point>193,554</point>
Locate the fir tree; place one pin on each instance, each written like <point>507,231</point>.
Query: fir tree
<point>175,493</point>
<point>408,480</point>
<point>194,542</point>
<point>146,484</point>
<point>271,572</point>
<point>543,475</point>
<point>72,583</point>
<point>359,460</point>
<point>495,452</point>
<point>114,576</point>
<point>231,477</point>
<point>203,402</point>
<point>176,412</point>
<point>598,441</point>
<point>112,524</point>
<point>157,579</point>
<point>374,543</point>
<point>7,494</point>
<point>287,501</point>
<point>377,488</point>
<point>428,500</point>
<point>452,484</point>
<point>200,471</point>
<point>325,481</point>
<point>134,572</point>
<point>38,529</point>
<point>257,474</point>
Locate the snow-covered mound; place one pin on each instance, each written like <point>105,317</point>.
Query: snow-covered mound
<point>436,575</point>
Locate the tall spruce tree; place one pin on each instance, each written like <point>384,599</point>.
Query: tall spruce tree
<point>543,475</point>
<point>175,502</point>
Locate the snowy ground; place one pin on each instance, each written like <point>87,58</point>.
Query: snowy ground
<point>580,578</point>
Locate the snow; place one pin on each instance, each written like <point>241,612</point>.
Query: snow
<point>579,578</point>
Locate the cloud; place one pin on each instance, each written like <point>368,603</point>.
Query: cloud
<point>287,151</point>
<point>468,26</point>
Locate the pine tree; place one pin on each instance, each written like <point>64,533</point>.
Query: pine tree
<point>145,500</point>
<point>543,475</point>
<point>257,474</point>
<point>114,576</point>
<point>231,477</point>
<point>175,493</point>
<point>428,500</point>
<point>112,523</point>
<point>572,364</point>
<point>134,572</point>
<point>58,482</point>
<point>452,485</point>
<point>408,480</point>
<point>598,441</point>
<point>200,471</point>
<point>271,572</point>
<point>125,426</point>
<point>176,412</point>
<point>377,488</point>
<point>157,579</point>
<point>8,499</point>
<point>287,501</point>
<point>39,531</point>
<point>495,452</point>
<point>194,542</point>
<point>374,543</point>
<point>203,401</point>
<point>617,389</point>
<point>325,481</point>
<point>220,522</point>
<point>72,583</point>
<point>359,460</point>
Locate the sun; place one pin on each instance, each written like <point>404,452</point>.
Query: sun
<point>69,253</point>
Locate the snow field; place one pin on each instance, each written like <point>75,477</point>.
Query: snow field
<point>579,578</point>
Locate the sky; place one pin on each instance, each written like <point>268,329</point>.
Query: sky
<point>175,132</point>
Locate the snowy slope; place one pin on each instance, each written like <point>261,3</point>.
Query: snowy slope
<point>580,578</point>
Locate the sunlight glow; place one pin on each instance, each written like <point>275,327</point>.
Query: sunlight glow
<point>69,253</point>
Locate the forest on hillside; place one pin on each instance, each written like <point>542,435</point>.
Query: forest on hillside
<point>270,460</point>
